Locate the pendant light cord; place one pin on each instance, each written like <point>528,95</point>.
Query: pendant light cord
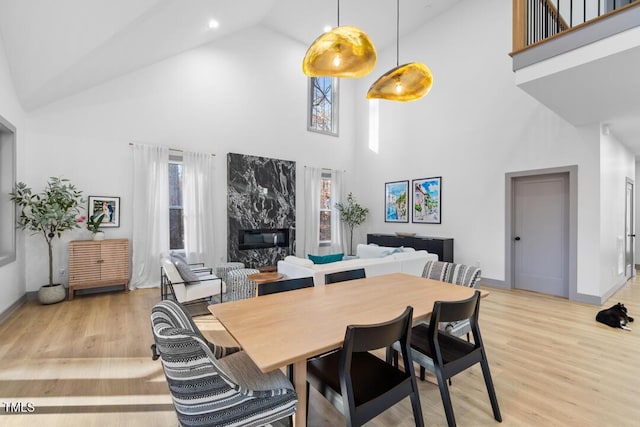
<point>338,13</point>
<point>398,33</point>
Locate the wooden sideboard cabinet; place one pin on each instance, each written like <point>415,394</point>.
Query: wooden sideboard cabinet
<point>443,247</point>
<point>98,263</point>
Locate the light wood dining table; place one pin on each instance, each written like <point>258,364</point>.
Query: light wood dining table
<point>290,327</point>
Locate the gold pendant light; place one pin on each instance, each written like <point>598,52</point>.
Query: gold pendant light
<point>342,52</point>
<point>406,82</point>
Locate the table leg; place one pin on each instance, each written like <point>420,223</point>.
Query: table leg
<point>300,384</point>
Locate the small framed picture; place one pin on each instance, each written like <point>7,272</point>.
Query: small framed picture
<point>110,206</point>
<point>427,200</point>
<point>396,201</point>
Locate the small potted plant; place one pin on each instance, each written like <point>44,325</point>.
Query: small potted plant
<point>353,215</point>
<point>93,225</point>
<point>49,213</point>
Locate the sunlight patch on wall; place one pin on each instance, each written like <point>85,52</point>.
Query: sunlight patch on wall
<point>374,125</point>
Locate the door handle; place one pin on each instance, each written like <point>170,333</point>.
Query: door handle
<point>517,238</point>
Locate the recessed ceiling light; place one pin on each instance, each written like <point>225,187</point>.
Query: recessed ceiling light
<point>327,28</point>
<point>213,24</point>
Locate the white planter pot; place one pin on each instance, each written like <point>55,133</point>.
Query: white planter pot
<point>99,235</point>
<point>51,294</point>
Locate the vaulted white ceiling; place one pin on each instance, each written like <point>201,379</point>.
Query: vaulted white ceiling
<point>56,48</point>
<point>59,47</point>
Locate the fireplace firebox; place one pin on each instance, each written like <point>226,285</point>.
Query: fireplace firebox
<point>263,238</point>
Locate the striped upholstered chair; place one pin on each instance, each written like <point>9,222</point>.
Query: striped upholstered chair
<point>212,385</point>
<point>458,274</point>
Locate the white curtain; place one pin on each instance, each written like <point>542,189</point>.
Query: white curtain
<point>312,177</point>
<point>337,229</point>
<point>150,214</point>
<point>198,193</point>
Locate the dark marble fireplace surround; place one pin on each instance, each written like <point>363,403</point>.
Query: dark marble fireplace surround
<point>261,209</point>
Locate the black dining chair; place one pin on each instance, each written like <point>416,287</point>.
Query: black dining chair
<point>447,355</point>
<point>358,383</point>
<point>343,276</point>
<point>285,285</point>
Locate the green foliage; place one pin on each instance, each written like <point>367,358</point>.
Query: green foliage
<point>94,221</point>
<point>50,212</point>
<point>353,214</point>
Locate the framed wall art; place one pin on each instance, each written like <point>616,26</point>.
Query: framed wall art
<point>111,208</point>
<point>427,200</point>
<point>396,201</point>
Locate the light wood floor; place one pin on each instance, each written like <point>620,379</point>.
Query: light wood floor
<point>87,362</point>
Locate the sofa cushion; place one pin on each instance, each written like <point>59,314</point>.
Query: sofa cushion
<point>325,259</point>
<point>375,251</point>
<point>298,261</point>
<point>370,251</point>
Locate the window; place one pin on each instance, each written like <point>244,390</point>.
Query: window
<point>7,180</point>
<point>323,105</point>
<point>176,217</point>
<point>325,209</point>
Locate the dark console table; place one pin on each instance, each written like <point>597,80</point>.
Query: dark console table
<point>435,245</point>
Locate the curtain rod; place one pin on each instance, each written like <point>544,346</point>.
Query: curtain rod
<point>329,169</point>
<point>178,150</point>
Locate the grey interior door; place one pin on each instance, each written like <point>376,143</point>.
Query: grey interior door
<point>629,231</point>
<point>541,233</point>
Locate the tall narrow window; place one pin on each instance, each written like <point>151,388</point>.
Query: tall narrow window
<point>325,209</point>
<point>323,105</point>
<point>7,181</point>
<point>176,210</point>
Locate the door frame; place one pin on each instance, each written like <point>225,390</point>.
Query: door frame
<point>632,226</point>
<point>509,243</point>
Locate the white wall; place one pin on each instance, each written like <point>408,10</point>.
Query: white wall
<point>243,94</point>
<point>473,127</point>
<point>617,164</point>
<point>246,94</point>
<point>12,283</point>
<point>636,210</point>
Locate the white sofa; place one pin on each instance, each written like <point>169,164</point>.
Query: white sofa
<point>375,260</point>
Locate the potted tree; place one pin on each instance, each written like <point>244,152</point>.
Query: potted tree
<point>353,215</point>
<point>49,213</point>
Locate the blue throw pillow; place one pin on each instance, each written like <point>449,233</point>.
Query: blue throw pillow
<point>325,259</point>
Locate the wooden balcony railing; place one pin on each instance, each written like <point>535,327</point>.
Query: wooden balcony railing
<point>535,21</point>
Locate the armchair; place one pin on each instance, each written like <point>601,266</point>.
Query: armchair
<point>215,388</point>
<point>185,285</point>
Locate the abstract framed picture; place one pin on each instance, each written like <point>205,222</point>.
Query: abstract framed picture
<point>111,208</point>
<point>396,201</point>
<point>427,200</point>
